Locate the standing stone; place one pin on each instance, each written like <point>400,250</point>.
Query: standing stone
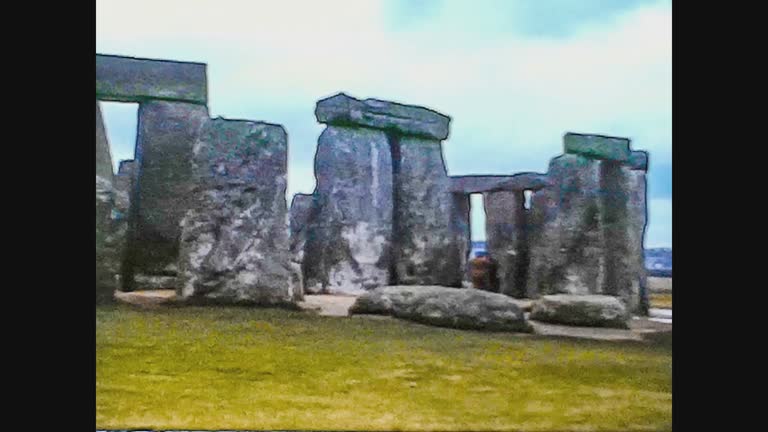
<point>505,228</point>
<point>426,252</point>
<point>106,261</point>
<point>299,214</point>
<point>123,186</point>
<point>589,229</point>
<point>103,155</point>
<point>566,248</point>
<point>460,222</point>
<point>234,243</point>
<point>105,255</point>
<point>348,247</point>
<point>167,132</point>
<point>637,189</point>
<point>124,182</point>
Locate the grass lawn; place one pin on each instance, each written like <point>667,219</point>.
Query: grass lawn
<point>661,300</point>
<point>238,368</point>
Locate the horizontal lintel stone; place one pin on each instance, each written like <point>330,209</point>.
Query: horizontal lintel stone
<point>638,160</point>
<point>597,146</point>
<point>344,110</point>
<point>128,79</point>
<point>517,182</point>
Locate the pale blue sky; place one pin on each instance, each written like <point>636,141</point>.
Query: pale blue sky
<point>514,75</point>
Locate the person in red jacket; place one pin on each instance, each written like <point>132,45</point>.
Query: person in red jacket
<point>482,270</point>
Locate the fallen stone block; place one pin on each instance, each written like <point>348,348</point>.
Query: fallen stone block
<point>581,310</point>
<point>445,307</point>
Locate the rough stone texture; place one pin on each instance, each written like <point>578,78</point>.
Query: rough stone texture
<point>348,246</point>
<point>301,206</point>
<point>586,235</point>
<point>103,155</point>
<point>154,283</point>
<point>107,254</point>
<point>106,270</point>
<point>426,251</point>
<point>299,214</point>
<point>506,239</point>
<point>123,183</point>
<point>637,299</point>
<point>566,245</point>
<point>167,132</point>
<point>343,110</point>
<point>127,79</point>
<point>445,307</point>
<point>597,146</point>
<point>460,223</point>
<point>234,242</point>
<point>517,182</point>
<point>581,310</point>
<point>638,160</point>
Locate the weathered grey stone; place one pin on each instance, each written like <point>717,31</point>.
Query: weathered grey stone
<point>301,207</point>
<point>348,247</point>
<point>299,214</point>
<point>445,307</point>
<point>343,110</point>
<point>581,310</point>
<point>517,182</point>
<point>107,252</point>
<point>638,160</point>
<point>566,243</point>
<point>144,282</point>
<point>234,242</point>
<point>587,231</point>
<point>426,252</point>
<point>636,297</point>
<point>103,155</point>
<point>123,184</point>
<point>507,239</point>
<point>597,146</point>
<point>106,269</point>
<point>460,222</point>
<point>167,132</point>
<point>127,79</point>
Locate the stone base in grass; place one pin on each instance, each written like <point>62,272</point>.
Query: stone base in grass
<point>581,310</point>
<point>445,307</point>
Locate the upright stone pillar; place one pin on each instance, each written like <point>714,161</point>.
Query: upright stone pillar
<point>426,252</point>
<point>106,261</point>
<point>412,241</point>
<point>505,228</point>
<point>577,247</point>
<point>167,132</point>
<point>299,217</point>
<point>234,241</point>
<point>348,247</point>
<point>460,212</point>
<point>636,169</point>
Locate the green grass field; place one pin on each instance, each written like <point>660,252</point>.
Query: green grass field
<point>661,300</point>
<point>238,368</point>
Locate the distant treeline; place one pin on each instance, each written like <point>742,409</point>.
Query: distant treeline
<point>666,273</point>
